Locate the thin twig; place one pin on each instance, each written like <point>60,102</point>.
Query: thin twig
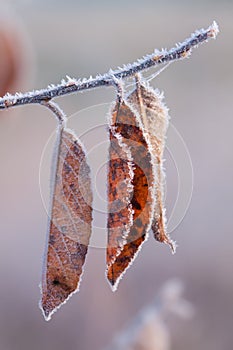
<point>53,106</point>
<point>119,87</point>
<point>70,85</point>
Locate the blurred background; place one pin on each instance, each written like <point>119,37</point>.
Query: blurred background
<point>41,42</point>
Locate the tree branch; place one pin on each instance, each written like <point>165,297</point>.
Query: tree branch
<point>70,85</point>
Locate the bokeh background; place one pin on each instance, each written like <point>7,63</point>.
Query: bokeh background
<point>55,38</point>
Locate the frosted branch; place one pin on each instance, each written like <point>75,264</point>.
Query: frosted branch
<point>70,85</point>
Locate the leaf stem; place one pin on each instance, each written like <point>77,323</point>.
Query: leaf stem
<point>54,107</point>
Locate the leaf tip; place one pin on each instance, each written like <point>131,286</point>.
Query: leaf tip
<point>112,278</point>
<point>113,285</point>
<point>173,246</point>
<point>46,312</point>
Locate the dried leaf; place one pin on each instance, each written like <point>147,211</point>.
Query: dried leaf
<point>154,117</point>
<point>69,225</point>
<point>120,175</point>
<point>126,123</point>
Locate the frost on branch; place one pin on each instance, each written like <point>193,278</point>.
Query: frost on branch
<point>71,85</point>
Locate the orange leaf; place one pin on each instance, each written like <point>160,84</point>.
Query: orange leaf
<point>69,225</point>
<point>126,123</point>
<point>120,175</point>
<point>154,117</point>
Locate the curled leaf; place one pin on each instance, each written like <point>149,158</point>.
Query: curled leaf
<point>125,122</point>
<point>69,224</point>
<point>120,175</point>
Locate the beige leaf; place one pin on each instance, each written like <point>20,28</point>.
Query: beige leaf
<point>154,117</point>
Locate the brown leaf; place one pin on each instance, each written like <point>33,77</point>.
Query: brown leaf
<point>154,117</point>
<point>126,123</point>
<point>120,175</point>
<point>69,225</point>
